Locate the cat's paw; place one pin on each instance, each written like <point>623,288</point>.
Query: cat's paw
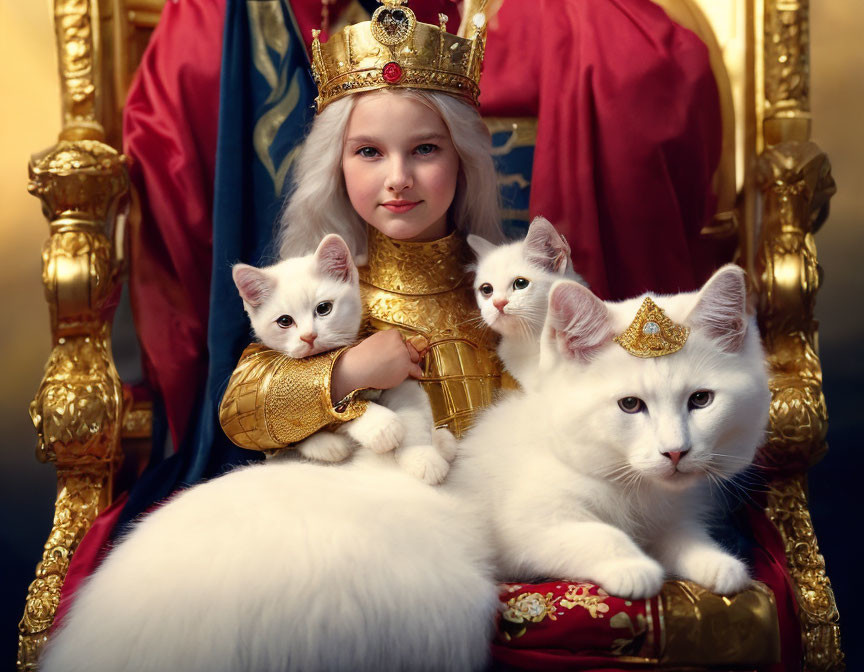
<point>717,571</point>
<point>424,463</point>
<point>633,578</point>
<point>445,443</point>
<point>379,429</point>
<point>326,447</point>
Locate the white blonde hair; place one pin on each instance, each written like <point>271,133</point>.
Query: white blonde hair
<point>318,204</point>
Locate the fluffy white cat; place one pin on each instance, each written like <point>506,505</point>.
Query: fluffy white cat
<point>307,305</point>
<point>289,566</point>
<point>602,471</point>
<point>512,283</point>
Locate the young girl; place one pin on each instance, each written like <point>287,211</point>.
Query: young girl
<point>403,175</point>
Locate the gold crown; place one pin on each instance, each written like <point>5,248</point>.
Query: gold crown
<point>651,333</point>
<point>395,50</point>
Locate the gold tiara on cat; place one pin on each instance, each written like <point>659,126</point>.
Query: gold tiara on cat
<point>651,333</point>
<point>395,50</point>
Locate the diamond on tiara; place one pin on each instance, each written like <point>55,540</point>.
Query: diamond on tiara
<point>652,333</point>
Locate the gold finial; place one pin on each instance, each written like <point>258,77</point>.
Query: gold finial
<point>651,333</point>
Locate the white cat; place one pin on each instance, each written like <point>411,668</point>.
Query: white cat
<point>602,472</point>
<point>289,566</point>
<point>307,305</point>
<point>512,283</point>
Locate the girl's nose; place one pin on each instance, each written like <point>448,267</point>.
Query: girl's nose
<point>399,177</point>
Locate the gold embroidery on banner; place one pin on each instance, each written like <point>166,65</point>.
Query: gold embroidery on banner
<point>269,33</point>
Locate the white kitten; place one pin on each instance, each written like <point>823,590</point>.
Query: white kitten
<point>512,283</point>
<point>307,305</point>
<point>289,566</point>
<point>602,472</point>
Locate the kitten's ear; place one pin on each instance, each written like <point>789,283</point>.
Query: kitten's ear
<point>577,323</point>
<point>253,284</point>
<point>481,246</point>
<point>721,308</point>
<point>333,259</point>
<point>545,247</point>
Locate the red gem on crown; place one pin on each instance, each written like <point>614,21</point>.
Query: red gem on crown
<point>392,72</point>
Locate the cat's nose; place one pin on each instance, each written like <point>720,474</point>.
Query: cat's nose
<point>500,303</point>
<point>676,455</point>
<point>309,338</point>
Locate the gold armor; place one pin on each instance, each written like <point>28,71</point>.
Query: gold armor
<point>423,290</point>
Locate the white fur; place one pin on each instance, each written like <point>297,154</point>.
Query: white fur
<point>402,420</point>
<point>289,566</point>
<point>541,258</point>
<point>573,487</point>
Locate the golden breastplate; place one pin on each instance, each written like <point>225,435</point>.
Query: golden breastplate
<point>422,288</point>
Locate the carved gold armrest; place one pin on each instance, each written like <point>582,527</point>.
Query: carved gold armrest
<point>80,404</point>
<point>796,184</point>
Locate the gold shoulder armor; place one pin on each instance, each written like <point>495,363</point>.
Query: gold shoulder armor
<point>273,401</point>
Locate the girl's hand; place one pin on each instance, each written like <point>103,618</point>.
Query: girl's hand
<point>381,361</point>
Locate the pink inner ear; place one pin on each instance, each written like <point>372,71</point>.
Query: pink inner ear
<point>334,259</point>
<point>252,283</point>
<point>721,310</point>
<point>545,247</point>
<point>580,321</point>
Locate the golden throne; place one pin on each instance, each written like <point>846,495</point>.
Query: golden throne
<point>773,189</point>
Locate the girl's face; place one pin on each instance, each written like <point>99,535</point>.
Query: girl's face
<point>400,166</point>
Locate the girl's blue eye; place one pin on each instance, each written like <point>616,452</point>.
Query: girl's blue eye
<point>426,149</point>
<point>367,152</point>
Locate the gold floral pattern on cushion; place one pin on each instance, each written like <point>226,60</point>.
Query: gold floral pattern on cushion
<point>566,624</point>
<point>534,607</point>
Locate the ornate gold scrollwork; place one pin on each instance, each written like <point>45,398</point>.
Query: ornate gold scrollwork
<point>787,509</point>
<point>796,183</point>
<point>80,403</point>
<point>787,70</point>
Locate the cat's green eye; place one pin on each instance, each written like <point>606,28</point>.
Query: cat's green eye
<point>485,289</point>
<point>285,321</point>
<point>631,404</point>
<point>324,308</point>
<point>700,399</point>
<point>521,283</point>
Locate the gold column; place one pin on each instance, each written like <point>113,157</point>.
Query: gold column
<point>77,412</point>
<point>794,178</point>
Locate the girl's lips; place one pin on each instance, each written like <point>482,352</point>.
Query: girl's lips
<point>400,206</point>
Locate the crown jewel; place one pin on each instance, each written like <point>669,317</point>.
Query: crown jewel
<point>393,49</point>
<point>651,333</point>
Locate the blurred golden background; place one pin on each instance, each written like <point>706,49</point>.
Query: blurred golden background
<point>30,122</point>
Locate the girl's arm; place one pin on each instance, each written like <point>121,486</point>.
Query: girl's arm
<point>272,400</point>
